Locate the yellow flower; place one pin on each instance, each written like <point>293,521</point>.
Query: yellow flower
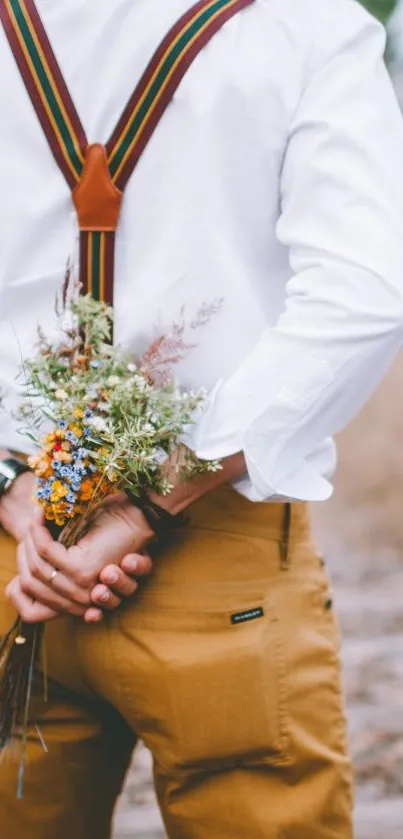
<point>59,491</point>
<point>76,430</point>
<point>79,413</point>
<point>33,461</point>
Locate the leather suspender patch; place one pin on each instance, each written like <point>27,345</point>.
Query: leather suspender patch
<point>97,175</point>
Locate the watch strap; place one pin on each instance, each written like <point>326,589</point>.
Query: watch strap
<point>160,521</point>
<point>10,469</point>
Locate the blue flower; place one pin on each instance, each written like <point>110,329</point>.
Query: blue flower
<point>95,364</point>
<point>88,414</point>
<point>63,424</point>
<point>70,508</point>
<point>79,469</point>
<point>66,472</point>
<point>87,432</point>
<point>76,485</point>
<point>71,497</point>
<point>82,452</point>
<point>56,465</point>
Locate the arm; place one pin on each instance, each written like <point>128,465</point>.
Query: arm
<point>342,220</point>
<point>116,545</point>
<point>17,505</point>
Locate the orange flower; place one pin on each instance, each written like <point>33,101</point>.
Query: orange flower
<point>42,467</point>
<point>65,457</point>
<point>87,490</point>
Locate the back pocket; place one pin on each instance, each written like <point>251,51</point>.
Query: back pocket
<point>222,674</point>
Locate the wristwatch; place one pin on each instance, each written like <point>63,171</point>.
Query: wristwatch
<point>160,521</point>
<point>10,469</point>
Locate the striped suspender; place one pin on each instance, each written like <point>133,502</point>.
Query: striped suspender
<point>97,175</point>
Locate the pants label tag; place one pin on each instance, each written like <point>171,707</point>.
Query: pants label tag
<point>249,615</point>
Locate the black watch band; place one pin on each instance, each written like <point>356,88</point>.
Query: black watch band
<point>10,469</point>
<point>160,521</point>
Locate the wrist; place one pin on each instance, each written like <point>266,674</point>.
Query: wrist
<point>16,506</point>
<point>138,520</point>
<point>159,521</point>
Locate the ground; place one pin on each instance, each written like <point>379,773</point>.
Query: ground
<point>361,533</point>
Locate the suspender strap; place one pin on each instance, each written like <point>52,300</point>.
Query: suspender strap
<point>97,175</point>
<point>46,87</point>
<point>160,81</point>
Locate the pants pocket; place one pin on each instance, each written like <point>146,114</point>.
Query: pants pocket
<point>209,685</point>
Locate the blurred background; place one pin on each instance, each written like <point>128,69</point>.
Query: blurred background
<point>361,534</point>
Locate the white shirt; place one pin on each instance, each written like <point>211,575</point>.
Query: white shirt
<point>274,182</point>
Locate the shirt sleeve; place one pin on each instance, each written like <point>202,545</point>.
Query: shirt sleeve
<point>342,221</point>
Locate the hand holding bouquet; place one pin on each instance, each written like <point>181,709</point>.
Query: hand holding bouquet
<point>103,423</point>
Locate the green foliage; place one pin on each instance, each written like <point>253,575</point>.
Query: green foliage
<point>382,9</point>
<point>113,421</point>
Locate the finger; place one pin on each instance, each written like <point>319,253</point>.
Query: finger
<point>44,594</point>
<point>60,584</point>
<point>29,612</point>
<point>93,615</point>
<point>117,581</point>
<point>105,598</point>
<point>137,565</point>
<point>53,552</point>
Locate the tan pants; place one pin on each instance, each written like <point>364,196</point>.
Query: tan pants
<point>226,665</point>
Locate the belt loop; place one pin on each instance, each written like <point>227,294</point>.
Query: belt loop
<point>285,537</point>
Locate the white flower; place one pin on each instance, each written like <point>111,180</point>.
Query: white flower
<point>131,367</point>
<point>113,381</point>
<point>61,394</point>
<point>159,455</point>
<point>98,424</point>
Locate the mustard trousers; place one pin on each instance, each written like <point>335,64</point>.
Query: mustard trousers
<point>226,665</point>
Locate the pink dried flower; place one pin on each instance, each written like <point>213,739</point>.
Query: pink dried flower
<point>168,350</point>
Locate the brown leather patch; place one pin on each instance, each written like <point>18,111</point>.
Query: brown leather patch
<point>96,198</point>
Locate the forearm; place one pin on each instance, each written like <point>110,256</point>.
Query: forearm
<point>186,493</point>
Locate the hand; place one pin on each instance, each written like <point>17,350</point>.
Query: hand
<point>28,610</point>
<point>17,506</point>
<point>120,530</point>
<point>117,583</point>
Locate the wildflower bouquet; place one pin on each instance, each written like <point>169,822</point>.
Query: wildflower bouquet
<point>102,423</point>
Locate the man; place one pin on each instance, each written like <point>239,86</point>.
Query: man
<point>273,182</point>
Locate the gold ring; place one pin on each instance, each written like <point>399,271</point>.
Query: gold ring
<point>52,577</point>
